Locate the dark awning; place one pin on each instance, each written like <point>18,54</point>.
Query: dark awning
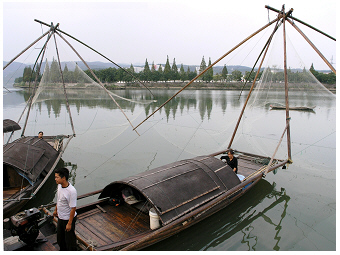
<point>10,126</point>
<point>29,156</point>
<point>177,188</point>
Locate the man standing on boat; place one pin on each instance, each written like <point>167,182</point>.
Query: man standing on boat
<point>231,160</point>
<point>65,210</point>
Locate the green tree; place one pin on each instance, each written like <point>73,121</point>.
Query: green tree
<point>154,73</point>
<point>167,70</point>
<point>190,74</point>
<point>160,73</point>
<point>55,72</point>
<point>203,65</point>
<point>224,72</point>
<point>46,73</point>
<point>236,75</point>
<point>174,71</point>
<point>27,74</point>
<point>182,73</point>
<point>146,71</point>
<point>67,74</point>
<point>210,73</point>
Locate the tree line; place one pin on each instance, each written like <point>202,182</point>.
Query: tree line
<point>168,73</point>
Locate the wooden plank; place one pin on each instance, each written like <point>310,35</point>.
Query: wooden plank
<point>122,243</point>
<point>125,214</point>
<point>103,228</point>
<point>88,213</point>
<point>88,235</point>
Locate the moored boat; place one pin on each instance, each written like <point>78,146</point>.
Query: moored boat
<point>27,163</point>
<point>292,108</point>
<point>140,210</point>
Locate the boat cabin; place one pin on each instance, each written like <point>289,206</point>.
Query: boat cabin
<point>26,161</point>
<point>177,188</point>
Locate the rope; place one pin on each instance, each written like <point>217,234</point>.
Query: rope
<point>120,150</point>
<point>189,140</point>
<point>134,220</point>
<point>313,144</point>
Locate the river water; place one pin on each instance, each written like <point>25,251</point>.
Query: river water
<point>292,210</point>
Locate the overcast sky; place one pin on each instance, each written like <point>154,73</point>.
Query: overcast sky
<point>130,32</point>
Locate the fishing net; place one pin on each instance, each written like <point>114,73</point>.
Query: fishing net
<point>66,100</point>
<point>311,104</point>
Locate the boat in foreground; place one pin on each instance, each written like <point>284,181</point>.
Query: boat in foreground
<point>138,211</point>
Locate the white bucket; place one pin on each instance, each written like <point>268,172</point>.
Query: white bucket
<point>240,176</point>
<point>154,219</point>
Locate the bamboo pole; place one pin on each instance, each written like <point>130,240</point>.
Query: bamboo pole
<point>304,23</point>
<point>277,147</point>
<point>313,46</point>
<point>10,62</point>
<point>226,54</point>
<point>286,88</point>
<point>98,81</point>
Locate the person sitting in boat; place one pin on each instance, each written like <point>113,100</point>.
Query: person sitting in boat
<point>40,134</point>
<point>231,160</point>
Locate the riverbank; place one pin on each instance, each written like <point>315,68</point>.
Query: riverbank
<point>199,85</point>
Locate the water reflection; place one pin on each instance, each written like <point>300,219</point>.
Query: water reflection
<point>225,228</point>
<point>203,100</point>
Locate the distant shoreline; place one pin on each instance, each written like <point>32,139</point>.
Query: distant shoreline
<point>196,85</point>
<point>179,85</point>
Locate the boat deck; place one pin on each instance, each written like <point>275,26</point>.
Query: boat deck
<point>8,192</point>
<point>108,224</point>
<point>249,165</point>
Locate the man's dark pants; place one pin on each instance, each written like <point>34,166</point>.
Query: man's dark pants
<point>66,239</point>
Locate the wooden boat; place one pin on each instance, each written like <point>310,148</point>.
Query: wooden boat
<point>292,108</point>
<point>23,176</point>
<point>138,211</point>
<point>27,163</point>
<point>160,204</point>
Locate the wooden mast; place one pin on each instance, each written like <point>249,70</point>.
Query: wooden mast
<point>313,46</point>
<point>286,84</point>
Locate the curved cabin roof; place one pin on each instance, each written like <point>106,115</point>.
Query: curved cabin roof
<point>29,156</point>
<point>10,126</point>
<point>179,187</point>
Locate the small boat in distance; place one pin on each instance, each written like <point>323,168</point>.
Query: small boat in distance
<point>292,108</point>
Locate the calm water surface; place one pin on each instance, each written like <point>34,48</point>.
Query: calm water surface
<point>294,209</point>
